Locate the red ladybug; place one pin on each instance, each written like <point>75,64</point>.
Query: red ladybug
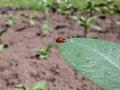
<point>60,40</point>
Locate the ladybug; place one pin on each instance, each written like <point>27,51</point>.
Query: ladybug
<point>60,40</point>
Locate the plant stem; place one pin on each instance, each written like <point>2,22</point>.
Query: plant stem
<point>0,40</point>
<point>111,21</point>
<point>85,33</point>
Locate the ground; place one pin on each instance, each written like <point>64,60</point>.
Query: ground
<point>18,64</point>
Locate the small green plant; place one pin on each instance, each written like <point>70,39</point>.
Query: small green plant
<point>106,8</point>
<point>36,86</point>
<point>9,22</point>
<point>2,32</point>
<point>43,51</point>
<point>2,45</point>
<point>10,19</point>
<point>44,6</point>
<point>60,5</point>
<point>90,7</point>
<point>45,27</point>
<point>101,7</point>
<point>96,59</point>
<point>29,17</point>
<point>26,15</point>
<point>86,23</point>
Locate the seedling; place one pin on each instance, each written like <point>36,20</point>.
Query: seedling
<point>29,17</point>
<point>60,5</point>
<point>26,15</point>
<point>102,7</point>
<point>86,23</point>
<point>36,86</point>
<point>45,27</point>
<point>2,46</point>
<point>43,51</point>
<point>1,33</point>
<point>106,9</point>
<point>10,19</point>
<point>90,7</point>
<point>9,22</point>
<point>44,4</point>
<point>65,6</point>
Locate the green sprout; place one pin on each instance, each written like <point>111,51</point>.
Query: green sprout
<point>2,45</point>
<point>9,22</point>
<point>60,5</point>
<point>44,4</point>
<point>26,15</point>
<point>29,17</point>
<point>43,51</point>
<point>90,7</point>
<point>2,32</point>
<point>104,7</point>
<point>36,86</point>
<point>107,8</point>
<point>101,7</point>
<point>10,19</point>
<point>86,23</point>
<point>45,27</point>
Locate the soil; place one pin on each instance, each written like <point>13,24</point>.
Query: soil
<point>18,64</point>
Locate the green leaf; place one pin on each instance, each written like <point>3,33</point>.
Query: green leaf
<point>43,5</point>
<point>97,9</point>
<point>96,27</point>
<point>42,56</point>
<point>90,5</point>
<point>45,27</point>
<point>50,46</point>
<point>36,49</point>
<point>68,12</point>
<point>96,59</point>
<point>74,17</point>
<point>82,19</point>
<point>62,6</point>
<point>43,51</point>
<point>2,46</point>
<point>26,15</point>
<point>39,86</point>
<point>9,22</point>
<point>31,22</point>
<point>90,19</point>
<point>2,32</point>
<point>21,87</point>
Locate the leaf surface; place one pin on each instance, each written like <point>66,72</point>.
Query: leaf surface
<point>96,59</point>
<point>39,86</point>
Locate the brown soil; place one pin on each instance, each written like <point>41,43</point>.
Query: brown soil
<point>17,62</point>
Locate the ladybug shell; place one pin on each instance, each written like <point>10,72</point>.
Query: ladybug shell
<point>60,40</point>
